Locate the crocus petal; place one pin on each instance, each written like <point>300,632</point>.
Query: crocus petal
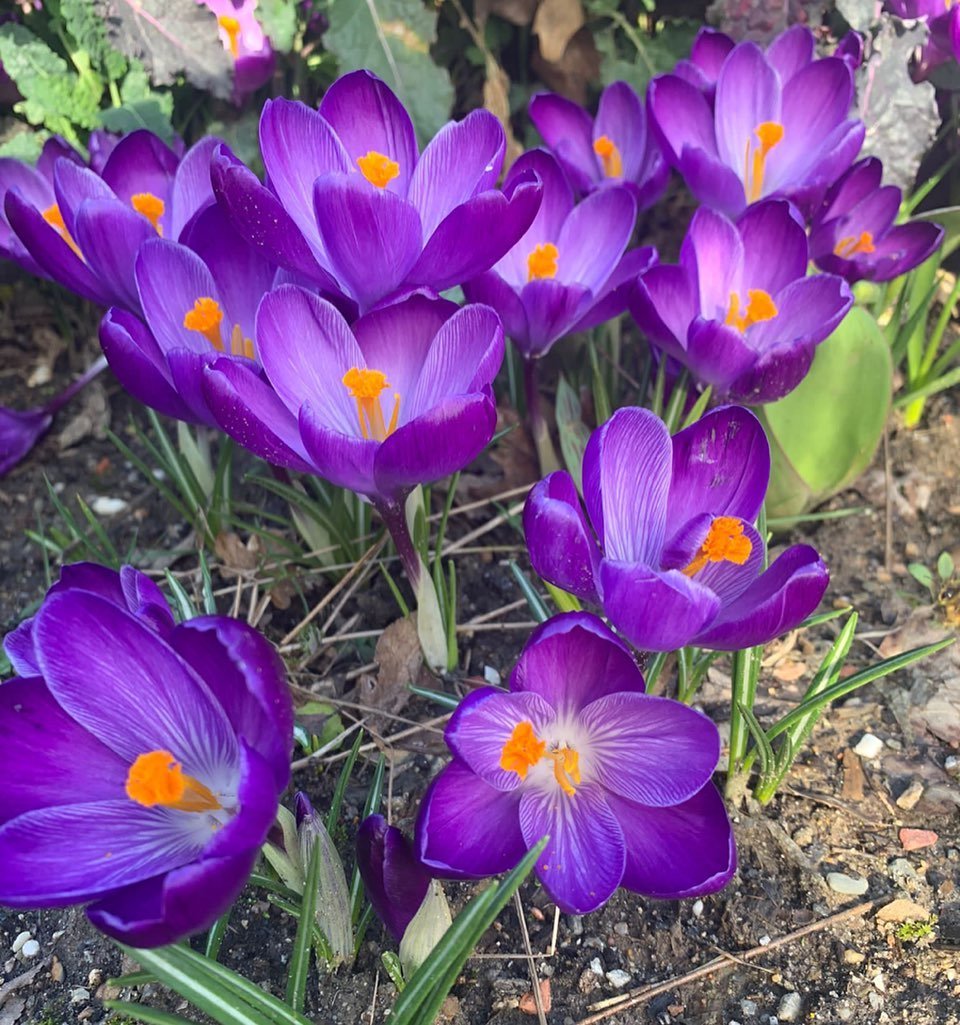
<point>491,290</point>
<point>721,356</point>
<point>583,863</point>
<point>562,547</point>
<point>366,116</point>
<point>140,162</point>
<point>568,130</point>
<point>775,248</point>
<point>622,118</point>
<point>574,659</point>
<point>187,369</point>
<point>552,308</point>
<point>483,723</point>
<point>20,649</point>
<point>682,116</point>
<point>728,580</point>
<point>712,254</point>
<point>626,477</point>
<point>777,601</point>
<point>677,852</point>
<point>594,237</point>
<point>344,460</point>
<point>655,611</point>
<point>663,302</point>
<point>165,908</point>
<point>46,758</point>
<point>616,292</point>
<point>712,182</point>
<point>904,247</point>
<point>394,881</point>
<point>721,465</point>
<point>466,828</point>
<point>748,93</point>
<point>372,236</point>
<point>109,236</point>
<point>257,793</point>
<point>791,51</point>
<point>19,432</point>
<point>191,190</point>
<point>463,159</point>
<point>648,749</point>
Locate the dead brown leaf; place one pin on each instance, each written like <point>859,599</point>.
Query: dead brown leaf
<point>235,555</point>
<point>572,73</point>
<point>91,416</point>
<point>496,88</point>
<point>528,1003</point>
<point>555,24</point>
<point>517,12</point>
<point>47,345</point>
<point>400,661</point>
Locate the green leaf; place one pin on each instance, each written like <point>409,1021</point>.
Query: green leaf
<point>573,432</point>
<point>278,18</point>
<point>148,1015</point>
<point>825,432</point>
<point>921,574</point>
<point>25,146</point>
<point>89,33</point>
<point>392,38</point>
<point>141,107</point>
<point>945,566</point>
<point>303,943</point>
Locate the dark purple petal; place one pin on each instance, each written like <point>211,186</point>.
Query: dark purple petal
<point>718,355</point>
<point>709,50</point>
<point>46,758</point>
<point>728,580</point>
<point>777,601</point>
<point>191,190</point>
<point>617,291</point>
<point>622,118</point>
<point>649,749</point>
<point>169,907</point>
<point>18,644</point>
<point>187,370</point>
<point>561,545</point>
<point>257,795</point>
<point>712,182</point>
<point>140,162</point>
<point>774,246</point>
<point>109,236</point>
<point>490,289</point>
<point>663,302</point>
<point>904,247</point>
<point>574,659</point>
<point>372,236</point>
<point>367,116</point>
<point>682,117</point>
<point>467,828</point>
<point>655,611</point>
<point>626,477</point>
<point>721,466</point>
<point>568,130</point>
<point>552,308</point>
<point>484,722</point>
<point>583,863</point>
<point>19,432</point>
<point>683,851</point>
<point>395,882</point>
<point>344,460</point>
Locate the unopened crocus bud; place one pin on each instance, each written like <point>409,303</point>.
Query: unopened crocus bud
<point>282,850</point>
<point>426,929</point>
<point>333,898</point>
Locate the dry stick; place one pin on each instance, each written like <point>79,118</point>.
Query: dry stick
<point>367,748</point>
<point>302,763</point>
<point>647,993</point>
<point>531,963</point>
<point>497,521</point>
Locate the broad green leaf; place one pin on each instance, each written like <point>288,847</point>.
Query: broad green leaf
<point>825,432</point>
<point>89,32</point>
<point>392,38</point>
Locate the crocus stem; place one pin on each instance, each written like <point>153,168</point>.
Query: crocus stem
<point>546,454</point>
<point>62,398</point>
<point>744,677</point>
<point>430,629</point>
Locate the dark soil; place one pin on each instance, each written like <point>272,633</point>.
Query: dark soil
<point>837,813</point>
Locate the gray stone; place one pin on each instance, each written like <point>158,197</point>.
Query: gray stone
<point>868,746</point>
<point>790,1007</point>
<point>30,949</point>
<point>618,978</point>
<point>847,885</point>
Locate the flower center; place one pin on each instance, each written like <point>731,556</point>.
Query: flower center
<point>231,26</point>
<point>725,542</point>
<point>524,749</point>
<point>760,307</point>
<point>850,245</point>
<point>365,387</point>
<point>378,168</point>
<point>150,206</point>
<point>54,218</point>
<point>206,317</point>
<point>755,157</point>
<point>609,154</point>
<point>157,778</point>
<point>542,262</point>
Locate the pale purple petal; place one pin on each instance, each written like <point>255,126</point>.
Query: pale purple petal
<point>664,302</point>
<point>748,93</point>
<point>775,250</point>
<point>713,254</point>
<point>191,189</point>
<point>594,237</point>
<point>568,130</point>
<point>791,51</point>
<point>491,290</point>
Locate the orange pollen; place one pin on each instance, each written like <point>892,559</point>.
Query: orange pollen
<point>525,749</point>
<point>156,778</point>
<point>54,218</point>
<point>205,317</point>
<point>542,262</point>
<point>609,154</point>
<point>755,157</point>
<point>365,386</point>
<point>760,307</point>
<point>378,168</point>
<point>150,206</point>
<point>232,27</point>
<point>852,244</point>
<point>725,542</point>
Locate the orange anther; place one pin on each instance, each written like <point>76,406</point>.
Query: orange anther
<point>156,778</point>
<point>523,750</point>
<point>231,26</point>
<point>769,134</point>
<point>609,154</point>
<point>542,262</point>
<point>150,206</point>
<point>54,218</point>
<point>365,386</point>
<point>760,307</point>
<point>725,542</point>
<point>378,168</point>
<point>850,245</point>
<point>205,316</point>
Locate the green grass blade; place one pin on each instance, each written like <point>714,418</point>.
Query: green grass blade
<point>148,1015</point>
<point>540,611</point>
<point>299,968</point>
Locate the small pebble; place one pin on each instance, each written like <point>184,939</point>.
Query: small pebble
<point>622,929</point>
<point>909,798</point>
<point>748,1007</point>
<point>618,978</point>
<point>853,957</point>
<point>839,882</point>
<point>491,676</point>
<point>952,763</point>
<point>56,969</point>
<point>697,908</point>
<point>790,1007</point>
<point>78,995</point>
<point>876,1001</point>
<point>879,982</point>
<point>763,940</point>
<point>30,949</point>
<point>903,873</point>
<point>868,747</point>
<point>102,505</point>
<point>596,966</point>
<point>19,942</point>
<point>917,839</point>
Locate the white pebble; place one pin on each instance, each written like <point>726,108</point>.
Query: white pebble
<point>618,978</point>
<point>18,943</point>
<point>491,676</point>
<point>697,908</point>
<point>951,762</point>
<point>841,883</point>
<point>763,940</point>
<point>790,1007</point>
<point>78,995</point>
<point>868,747</point>
<point>30,949</point>
<point>596,966</point>
<point>102,505</point>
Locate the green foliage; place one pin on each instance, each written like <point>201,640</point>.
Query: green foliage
<point>86,27</point>
<point>393,38</point>
<point>140,106</point>
<point>574,433</point>
<point>910,932</point>
<point>279,21</point>
<point>825,432</point>
<point>25,146</point>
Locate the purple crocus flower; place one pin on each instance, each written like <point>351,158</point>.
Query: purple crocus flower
<point>564,274</point>
<point>244,39</point>
<point>942,18</point>
<point>199,301</point>
<point>395,882</point>
<point>619,780</point>
<point>853,233</point>
<point>353,202</point>
<point>616,147</point>
<point>710,49</point>
<point>142,760</point>
<point>667,546</point>
<point>88,239</point>
<point>779,125</point>
<point>739,310</point>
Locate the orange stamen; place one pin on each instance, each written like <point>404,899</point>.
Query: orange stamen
<point>365,386</point>
<point>240,346</point>
<point>378,168</point>
<point>725,542</point>
<point>609,154</point>
<point>232,28</point>
<point>760,307</point>
<point>205,317</point>
<point>770,133</point>
<point>522,751</point>
<point>849,245</point>
<point>542,262</point>
<point>54,218</point>
<point>566,769</point>
<point>150,206</point>
<point>156,778</point>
